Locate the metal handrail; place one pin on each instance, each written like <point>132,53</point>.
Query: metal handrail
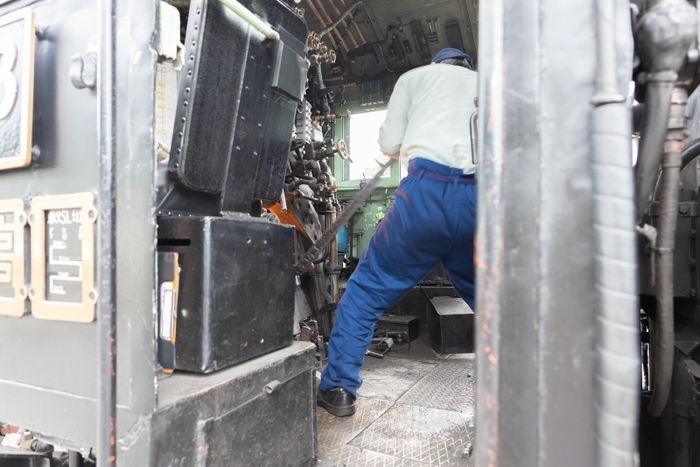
<point>106,273</point>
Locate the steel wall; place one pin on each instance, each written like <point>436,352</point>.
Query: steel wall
<point>48,369</point>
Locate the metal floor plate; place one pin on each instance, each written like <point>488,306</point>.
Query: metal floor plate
<point>351,456</point>
<point>432,436</point>
<point>450,386</point>
<point>410,413</point>
<point>336,432</point>
<point>389,379</point>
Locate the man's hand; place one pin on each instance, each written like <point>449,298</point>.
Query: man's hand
<point>392,156</point>
<point>7,429</point>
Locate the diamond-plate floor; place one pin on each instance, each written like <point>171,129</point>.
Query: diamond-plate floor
<point>387,379</point>
<point>410,413</point>
<point>336,432</point>
<point>450,386</point>
<point>434,437</point>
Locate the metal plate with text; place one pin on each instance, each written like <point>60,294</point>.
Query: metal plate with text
<point>63,257</point>
<point>13,292</point>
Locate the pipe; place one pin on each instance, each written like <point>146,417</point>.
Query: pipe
<point>657,107</point>
<point>345,23</point>
<point>357,27</point>
<point>341,19</point>
<point>617,312</point>
<point>107,221</point>
<point>320,21</point>
<point>663,36</point>
<point>329,21</point>
<point>665,244</point>
<point>690,152</point>
<point>252,19</point>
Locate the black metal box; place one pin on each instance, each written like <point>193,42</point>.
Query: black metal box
<point>15,457</point>
<point>259,413</point>
<point>236,288</point>
<point>450,325</point>
<point>393,323</point>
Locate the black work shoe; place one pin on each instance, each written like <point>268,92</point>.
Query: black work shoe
<point>336,401</point>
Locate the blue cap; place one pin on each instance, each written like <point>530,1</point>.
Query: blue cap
<point>448,53</point>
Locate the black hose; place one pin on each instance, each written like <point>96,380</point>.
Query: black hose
<point>646,171</point>
<point>340,19</point>
<point>690,152</point>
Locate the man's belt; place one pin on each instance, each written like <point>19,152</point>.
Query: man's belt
<point>463,180</point>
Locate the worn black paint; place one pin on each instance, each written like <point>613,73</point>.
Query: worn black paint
<point>237,104</point>
<point>236,297</point>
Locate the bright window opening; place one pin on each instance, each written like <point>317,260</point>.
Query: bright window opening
<point>364,148</point>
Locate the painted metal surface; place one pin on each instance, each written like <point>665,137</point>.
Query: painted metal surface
<point>534,247</point>
<point>236,289</point>
<point>13,288</point>
<point>59,374</point>
<point>236,108</point>
<point>228,419</point>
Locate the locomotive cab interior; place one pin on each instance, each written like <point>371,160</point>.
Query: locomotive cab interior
<point>169,168</point>
<point>216,180</point>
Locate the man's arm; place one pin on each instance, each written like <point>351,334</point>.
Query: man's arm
<point>393,129</point>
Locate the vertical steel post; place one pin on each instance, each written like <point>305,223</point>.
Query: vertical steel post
<point>534,250</point>
<point>489,244</point>
<point>106,271</point>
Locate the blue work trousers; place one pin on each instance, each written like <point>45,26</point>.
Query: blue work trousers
<point>432,220</point>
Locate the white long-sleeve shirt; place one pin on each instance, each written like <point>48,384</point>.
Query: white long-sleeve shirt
<point>429,114</point>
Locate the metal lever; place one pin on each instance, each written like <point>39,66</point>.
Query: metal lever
<point>250,18</point>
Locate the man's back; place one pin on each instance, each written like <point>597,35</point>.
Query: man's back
<point>429,116</point>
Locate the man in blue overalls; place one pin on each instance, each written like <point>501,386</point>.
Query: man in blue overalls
<point>432,219</point>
